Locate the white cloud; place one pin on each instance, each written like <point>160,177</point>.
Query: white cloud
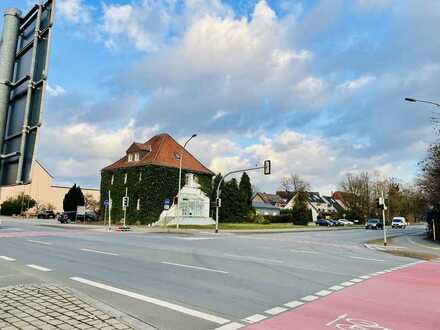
<point>55,90</point>
<point>74,11</point>
<point>356,84</point>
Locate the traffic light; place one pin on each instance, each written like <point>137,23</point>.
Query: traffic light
<point>267,167</point>
<point>378,203</point>
<point>218,202</point>
<point>125,201</point>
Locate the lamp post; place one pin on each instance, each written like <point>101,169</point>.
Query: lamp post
<point>410,99</point>
<point>180,179</point>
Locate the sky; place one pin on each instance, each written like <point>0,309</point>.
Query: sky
<point>317,86</point>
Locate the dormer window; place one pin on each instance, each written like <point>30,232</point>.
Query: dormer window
<point>130,157</point>
<point>134,156</point>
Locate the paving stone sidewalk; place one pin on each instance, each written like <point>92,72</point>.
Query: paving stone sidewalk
<point>49,306</point>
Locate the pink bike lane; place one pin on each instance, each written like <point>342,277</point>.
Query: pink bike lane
<point>405,299</point>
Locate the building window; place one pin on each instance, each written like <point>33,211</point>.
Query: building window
<point>138,204</point>
<point>130,157</point>
<point>125,178</point>
<point>136,156</point>
<point>113,179</point>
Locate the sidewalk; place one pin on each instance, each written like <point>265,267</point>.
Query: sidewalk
<point>404,299</point>
<point>49,306</point>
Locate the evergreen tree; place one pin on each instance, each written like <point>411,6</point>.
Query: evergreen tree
<point>300,212</point>
<point>231,206</point>
<point>73,198</point>
<point>245,189</point>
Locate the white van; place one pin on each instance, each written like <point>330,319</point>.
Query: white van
<point>399,222</point>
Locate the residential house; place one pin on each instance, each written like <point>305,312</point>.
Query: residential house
<point>148,174</point>
<point>265,208</point>
<point>273,199</point>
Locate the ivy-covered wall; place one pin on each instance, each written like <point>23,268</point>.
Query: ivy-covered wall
<point>155,185</point>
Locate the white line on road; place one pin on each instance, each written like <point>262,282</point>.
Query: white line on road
<point>356,280</point>
<point>254,318</point>
<point>336,287</point>
<point>365,277</point>
<point>276,310</point>
<point>323,293</point>
<point>368,259</point>
<point>100,252</point>
<point>231,326</point>
<point>253,258</point>
<point>7,258</point>
<point>347,283</point>
<point>305,251</point>
<point>39,242</point>
<point>194,267</point>
<point>40,268</point>
<point>309,298</point>
<point>155,301</point>
<point>294,304</point>
<point>195,238</point>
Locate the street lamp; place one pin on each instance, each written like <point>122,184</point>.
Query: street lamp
<point>410,99</point>
<point>180,179</point>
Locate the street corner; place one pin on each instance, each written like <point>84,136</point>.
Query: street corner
<point>50,306</point>
<point>405,298</point>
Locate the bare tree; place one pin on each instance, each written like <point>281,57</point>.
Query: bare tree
<point>294,183</point>
<point>91,203</point>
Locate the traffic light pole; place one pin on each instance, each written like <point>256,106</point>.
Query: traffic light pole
<point>384,223</point>
<point>267,170</point>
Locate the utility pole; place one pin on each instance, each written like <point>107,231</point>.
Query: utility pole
<point>125,207</point>
<point>11,25</point>
<point>109,211</point>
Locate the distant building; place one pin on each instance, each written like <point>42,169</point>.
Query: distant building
<point>265,208</point>
<point>273,199</point>
<point>148,174</point>
<point>43,190</point>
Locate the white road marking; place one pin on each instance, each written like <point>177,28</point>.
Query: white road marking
<point>336,287</point>
<point>323,293</point>
<point>309,298</point>
<point>231,326</point>
<point>195,238</point>
<point>276,310</point>
<point>194,267</point>
<point>253,258</point>
<point>40,268</point>
<point>347,283</point>
<point>365,277</point>
<point>155,301</point>
<point>305,251</point>
<point>356,280</point>
<point>100,252</point>
<point>39,242</point>
<point>380,273</point>
<point>294,304</point>
<point>368,259</point>
<point>254,318</point>
<point>7,258</point>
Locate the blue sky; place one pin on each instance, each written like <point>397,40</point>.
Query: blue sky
<point>317,86</point>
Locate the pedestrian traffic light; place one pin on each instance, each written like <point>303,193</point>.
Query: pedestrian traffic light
<point>218,202</point>
<point>267,167</point>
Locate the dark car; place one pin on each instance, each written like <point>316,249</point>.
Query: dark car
<point>374,224</point>
<point>323,222</point>
<point>48,214</point>
<point>337,222</point>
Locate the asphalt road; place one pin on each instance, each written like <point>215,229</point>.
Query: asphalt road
<point>200,281</point>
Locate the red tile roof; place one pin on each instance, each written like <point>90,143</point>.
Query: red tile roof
<point>160,150</point>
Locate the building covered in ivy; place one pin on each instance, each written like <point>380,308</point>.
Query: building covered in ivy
<point>148,174</point>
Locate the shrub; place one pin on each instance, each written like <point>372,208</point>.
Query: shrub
<point>17,205</point>
<point>260,219</point>
<point>282,218</point>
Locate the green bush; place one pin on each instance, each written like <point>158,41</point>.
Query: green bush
<point>260,219</point>
<point>17,205</point>
<point>282,218</point>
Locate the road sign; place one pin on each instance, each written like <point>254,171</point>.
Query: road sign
<point>106,203</point>
<point>166,204</point>
<point>24,59</point>
<point>125,201</point>
<point>81,210</point>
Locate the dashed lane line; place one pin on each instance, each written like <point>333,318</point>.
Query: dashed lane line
<point>294,304</point>
<point>7,258</point>
<point>231,326</point>
<point>154,301</point>
<point>276,310</point>
<point>309,298</point>
<point>40,268</point>
<point>253,258</point>
<point>356,280</point>
<point>254,318</point>
<point>348,283</point>
<point>39,242</point>
<point>194,267</point>
<point>323,293</point>
<point>336,288</point>
<point>304,251</point>
<point>100,252</point>
<point>366,259</point>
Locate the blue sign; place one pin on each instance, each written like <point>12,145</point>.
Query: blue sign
<point>106,203</point>
<point>166,203</point>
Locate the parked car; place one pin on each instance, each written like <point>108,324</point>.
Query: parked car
<point>374,224</point>
<point>346,222</point>
<point>337,222</point>
<point>323,222</point>
<point>399,222</point>
<point>47,214</point>
<point>64,218</point>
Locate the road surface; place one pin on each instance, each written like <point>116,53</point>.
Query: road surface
<point>202,281</point>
